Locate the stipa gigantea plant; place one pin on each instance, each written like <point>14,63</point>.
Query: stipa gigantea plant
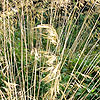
<point>52,35</point>
<point>49,50</point>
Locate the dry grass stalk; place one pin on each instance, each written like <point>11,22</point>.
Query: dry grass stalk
<point>40,40</point>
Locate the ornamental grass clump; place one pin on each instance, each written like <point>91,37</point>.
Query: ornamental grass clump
<point>49,50</point>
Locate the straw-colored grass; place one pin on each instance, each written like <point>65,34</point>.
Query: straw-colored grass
<point>49,50</point>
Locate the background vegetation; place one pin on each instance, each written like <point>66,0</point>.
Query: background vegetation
<point>49,50</point>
